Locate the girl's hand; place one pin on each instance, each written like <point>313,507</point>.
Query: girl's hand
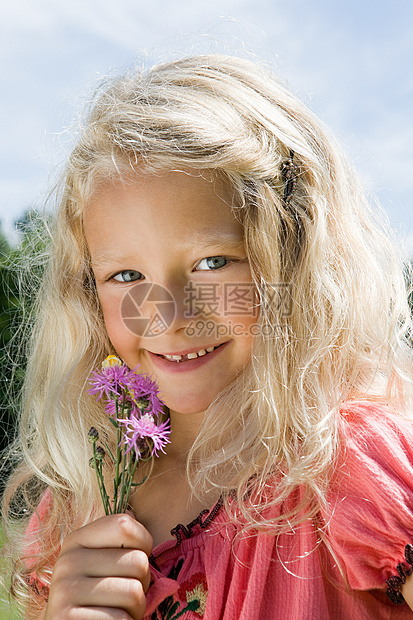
<point>102,572</point>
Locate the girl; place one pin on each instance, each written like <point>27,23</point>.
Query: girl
<point>283,362</point>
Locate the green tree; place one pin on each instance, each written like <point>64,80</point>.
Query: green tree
<point>21,268</point>
<point>9,303</point>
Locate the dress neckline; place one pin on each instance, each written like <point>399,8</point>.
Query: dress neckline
<point>184,532</point>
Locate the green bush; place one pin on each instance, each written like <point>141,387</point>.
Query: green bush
<point>21,269</point>
<point>7,612</point>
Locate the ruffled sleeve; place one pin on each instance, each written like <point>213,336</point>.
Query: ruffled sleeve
<point>370,520</point>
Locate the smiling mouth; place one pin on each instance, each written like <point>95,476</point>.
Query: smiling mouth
<point>189,356</point>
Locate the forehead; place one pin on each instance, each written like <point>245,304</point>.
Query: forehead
<point>171,205</point>
<point>205,183</point>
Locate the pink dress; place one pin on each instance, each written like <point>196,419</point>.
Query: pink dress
<point>215,572</point>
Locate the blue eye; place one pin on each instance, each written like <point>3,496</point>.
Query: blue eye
<point>129,275</point>
<point>212,262</point>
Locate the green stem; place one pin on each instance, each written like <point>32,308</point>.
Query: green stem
<point>101,484</point>
<point>118,459</point>
<point>133,463</point>
<point>108,508</point>
<point>122,483</point>
<point>127,478</point>
<point>110,453</point>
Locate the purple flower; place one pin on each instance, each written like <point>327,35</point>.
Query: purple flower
<point>109,381</point>
<point>115,380</point>
<point>142,388</point>
<point>125,402</point>
<point>133,405</point>
<point>141,428</point>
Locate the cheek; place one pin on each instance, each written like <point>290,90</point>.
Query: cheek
<point>246,346</point>
<point>239,311</point>
<point>120,336</point>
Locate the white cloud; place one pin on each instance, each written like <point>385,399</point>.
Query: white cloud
<point>129,24</point>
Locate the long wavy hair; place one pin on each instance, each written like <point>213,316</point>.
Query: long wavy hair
<point>344,336</point>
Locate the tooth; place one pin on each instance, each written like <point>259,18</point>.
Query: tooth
<point>202,352</point>
<point>192,356</point>
<point>177,357</point>
<point>210,349</point>
<point>169,357</point>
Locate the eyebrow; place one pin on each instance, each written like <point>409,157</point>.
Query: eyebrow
<point>225,243</point>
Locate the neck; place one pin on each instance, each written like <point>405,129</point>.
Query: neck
<point>184,430</point>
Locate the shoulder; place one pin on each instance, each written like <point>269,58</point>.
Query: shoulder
<point>33,546</point>
<point>377,442</point>
<point>32,536</point>
<point>39,515</point>
<point>370,418</point>
<point>369,515</point>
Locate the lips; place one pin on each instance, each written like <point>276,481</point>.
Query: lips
<point>186,361</point>
<point>188,356</point>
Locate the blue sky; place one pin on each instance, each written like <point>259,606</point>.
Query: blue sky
<point>351,62</point>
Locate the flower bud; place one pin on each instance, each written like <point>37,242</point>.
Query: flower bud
<point>93,435</point>
<point>111,360</point>
<point>100,454</point>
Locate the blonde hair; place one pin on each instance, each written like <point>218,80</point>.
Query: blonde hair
<point>344,337</point>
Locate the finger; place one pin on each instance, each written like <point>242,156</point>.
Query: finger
<point>117,531</point>
<point>112,592</point>
<point>131,563</point>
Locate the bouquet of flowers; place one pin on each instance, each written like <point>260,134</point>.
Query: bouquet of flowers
<point>133,408</point>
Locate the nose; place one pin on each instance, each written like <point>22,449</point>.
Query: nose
<point>184,310</point>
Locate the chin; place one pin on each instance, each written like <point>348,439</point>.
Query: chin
<point>188,406</point>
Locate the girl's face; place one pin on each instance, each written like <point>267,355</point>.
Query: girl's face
<point>173,280</point>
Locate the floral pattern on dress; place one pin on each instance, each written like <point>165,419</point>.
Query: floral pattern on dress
<point>192,595</point>
<point>194,592</point>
